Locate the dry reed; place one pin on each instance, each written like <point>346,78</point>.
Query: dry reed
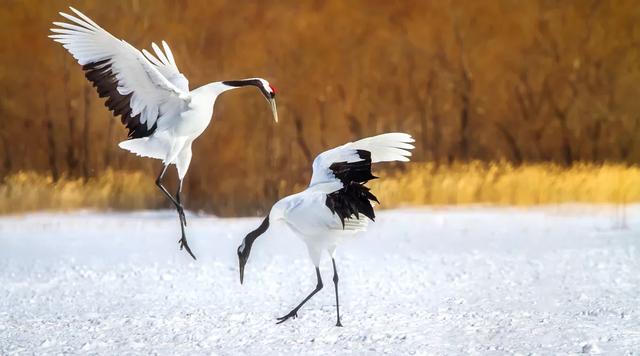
<point>505,184</point>
<point>415,184</point>
<point>28,191</point>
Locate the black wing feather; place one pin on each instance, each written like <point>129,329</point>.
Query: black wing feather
<point>100,74</point>
<point>354,198</point>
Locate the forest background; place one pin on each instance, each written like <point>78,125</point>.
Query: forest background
<point>510,102</point>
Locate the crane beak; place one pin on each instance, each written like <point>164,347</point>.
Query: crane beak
<point>272,102</point>
<point>242,263</point>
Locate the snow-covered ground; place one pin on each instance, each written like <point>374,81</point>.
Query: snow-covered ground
<point>552,280</point>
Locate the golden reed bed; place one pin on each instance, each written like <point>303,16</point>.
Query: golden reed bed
<point>505,184</point>
<point>417,184</point>
<point>28,191</point>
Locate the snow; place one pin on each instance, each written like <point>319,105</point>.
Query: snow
<point>474,280</point>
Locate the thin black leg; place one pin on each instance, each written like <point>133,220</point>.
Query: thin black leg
<point>183,240</point>
<point>183,222</point>
<point>183,219</point>
<point>335,283</point>
<point>294,313</point>
<point>163,189</point>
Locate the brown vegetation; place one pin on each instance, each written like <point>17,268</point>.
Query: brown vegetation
<point>419,184</point>
<point>522,81</point>
<point>28,191</point>
<point>506,184</point>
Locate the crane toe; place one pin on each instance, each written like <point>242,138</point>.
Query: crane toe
<point>185,245</point>
<point>292,314</point>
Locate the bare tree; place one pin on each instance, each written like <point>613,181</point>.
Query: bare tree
<point>108,149</point>
<point>436,118</point>
<point>300,138</point>
<point>322,108</point>
<point>7,162</point>
<point>72,160</point>
<point>630,140</point>
<point>421,94</point>
<point>512,142</point>
<point>464,88</point>
<point>530,103</point>
<point>561,113</point>
<point>51,143</point>
<point>354,126</point>
<point>271,151</point>
<point>566,87</point>
<point>85,132</point>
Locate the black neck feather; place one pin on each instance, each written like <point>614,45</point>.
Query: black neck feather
<point>253,82</point>
<point>243,83</point>
<point>253,235</point>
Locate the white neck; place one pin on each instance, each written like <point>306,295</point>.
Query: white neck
<point>212,90</point>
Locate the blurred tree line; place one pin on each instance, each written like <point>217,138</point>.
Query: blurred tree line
<point>524,81</point>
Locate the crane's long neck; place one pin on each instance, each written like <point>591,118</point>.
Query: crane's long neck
<point>247,242</point>
<point>276,213</point>
<point>245,248</point>
<point>212,90</point>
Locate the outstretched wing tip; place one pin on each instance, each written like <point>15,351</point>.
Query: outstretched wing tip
<point>349,165</point>
<point>136,89</point>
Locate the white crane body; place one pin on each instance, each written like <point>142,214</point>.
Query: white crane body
<point>336,205</point>
<point>150,94</point>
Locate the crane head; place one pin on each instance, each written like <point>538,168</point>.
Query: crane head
<point>245,248</point>
<point>242,259</point>
<point>267,90</point>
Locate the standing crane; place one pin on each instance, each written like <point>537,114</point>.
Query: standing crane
<point>335,206</point>
<point>150,95</point>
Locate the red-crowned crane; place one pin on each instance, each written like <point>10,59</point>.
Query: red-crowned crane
<point>336,205</point>
<point>150,94</point>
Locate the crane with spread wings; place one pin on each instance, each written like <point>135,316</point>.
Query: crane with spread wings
<point>335,206</point>
<point>150,95</point>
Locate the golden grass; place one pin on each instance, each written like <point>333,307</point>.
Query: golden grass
<point>27,191</point>
<point>414,184</point>
<point>505,184</point>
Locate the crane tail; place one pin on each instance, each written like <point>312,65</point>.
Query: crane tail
<point>145,147</point>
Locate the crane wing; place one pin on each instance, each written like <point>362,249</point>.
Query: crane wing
<point>166,65</point>
<point>342,172</point>
<point>136,89</point>
<point>353,160</point>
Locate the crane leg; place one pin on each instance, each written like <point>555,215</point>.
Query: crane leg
<point>183,222</point>
<point>335,283</point>
<point>183,219</point>
<point>179,208</point>
<point>294,313</point>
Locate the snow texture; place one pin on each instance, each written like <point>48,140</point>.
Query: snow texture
<point>552,280</point>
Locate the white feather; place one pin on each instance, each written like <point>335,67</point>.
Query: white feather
<point>151,91</point>
<point>307,213</point>
<point>384,148</point>
<point>159,94</point>
<point>146,147</point>
<point>166,64</point>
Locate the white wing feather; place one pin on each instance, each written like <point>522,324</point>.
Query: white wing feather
<point>384,148</point>
<point>166,65</point>
<point>154,97</point>
<point>307,214</point>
